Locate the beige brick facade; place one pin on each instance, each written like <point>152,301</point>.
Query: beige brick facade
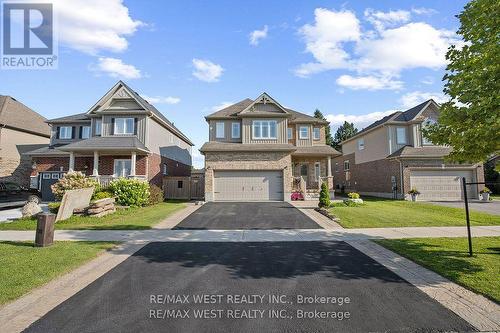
<point>247,161</point>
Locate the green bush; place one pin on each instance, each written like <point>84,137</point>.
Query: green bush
<point>155,195</point>
<point>324,196</point>
<point>353,195</point>
<point>102,195</point>
<point>72,181</point>
<point>130,192</point>
<point>54,207</point>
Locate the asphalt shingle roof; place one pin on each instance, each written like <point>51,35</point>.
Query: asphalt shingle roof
<point>66,119</point>
<point>316,150</point>
<point>15,114</point>
<point>106,143</point>
<point>431,151</point>
<point>213,146</point>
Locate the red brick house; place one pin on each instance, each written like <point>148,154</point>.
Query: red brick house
<point>122,135</point>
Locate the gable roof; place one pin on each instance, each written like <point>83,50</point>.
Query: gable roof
<point>14,114</point>
<point>397,116</point>
<point>234,111</point>
<point>73,118</point>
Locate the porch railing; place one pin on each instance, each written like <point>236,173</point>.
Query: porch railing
<point>298,184</point>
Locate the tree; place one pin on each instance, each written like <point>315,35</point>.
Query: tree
<point>324,196</point>
<point>344,132</point>
<point>328,133</point>
<point>470,121</point>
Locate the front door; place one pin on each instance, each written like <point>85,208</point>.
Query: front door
<point>304,171</point>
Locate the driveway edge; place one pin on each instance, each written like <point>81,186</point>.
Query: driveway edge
<point>480,312</point>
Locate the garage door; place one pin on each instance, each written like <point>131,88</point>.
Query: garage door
<point>441,185</point>
<point>248,185</point>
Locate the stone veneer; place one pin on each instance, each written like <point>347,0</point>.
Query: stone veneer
<point>247,161</point>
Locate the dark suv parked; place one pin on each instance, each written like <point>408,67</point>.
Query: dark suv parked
<point>12,194</point>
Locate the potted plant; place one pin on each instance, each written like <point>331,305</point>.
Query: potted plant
<point>485,194</point>
<point>414,194</point>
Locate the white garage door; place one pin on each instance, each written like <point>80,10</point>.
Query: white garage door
<point>248,185</point>
<point>442,185</point>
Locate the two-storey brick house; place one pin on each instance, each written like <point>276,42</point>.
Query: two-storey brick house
<point>391,156</point>
<point>259,150</point>
<point>122,135</point>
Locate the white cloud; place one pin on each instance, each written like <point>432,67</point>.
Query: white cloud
<point>381,20</point>
<point>94,25</point>
<point>207,71</point>
<point>257,35</point>
<point>416,97</point>
<point>360,121</point>
<point>198,158</point>
<point>424,11</point>
<point>427,80</point>
<point>117,68</point>
<point>221,106</point>
<point>161,99</point>
<point>368,82</point>
<point>325,38</point>
<point>336,41</point>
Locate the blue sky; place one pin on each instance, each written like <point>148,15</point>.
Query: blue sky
<point>353,60</point>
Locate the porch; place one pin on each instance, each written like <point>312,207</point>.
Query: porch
<point>309,172</point>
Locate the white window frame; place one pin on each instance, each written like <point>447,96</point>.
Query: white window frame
<point>68,132</point>
<point>219,130</point>
<point>121,160</point>
<point>83,131</point>
<point>361,144</point>
<point>98,127</point>
<point>316,133</point>
<point>264,125</point>
<point>235,130</point>
<point>289,133</point>
<point>425,141</point>
<point>348,165</point>
<point>306,136</point>
<point>398,136</point>
<point>126,130</point>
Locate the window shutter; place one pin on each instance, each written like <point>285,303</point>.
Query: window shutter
<point>135,126</point>
<point>80,132</point>
<point>57,132</point>
<point>112,131</point>
<point>73,132</point>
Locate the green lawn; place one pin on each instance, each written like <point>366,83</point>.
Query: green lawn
<point>24,267</point>
<point>495,196</point>
<point>129,219</point>
<point>449,257</point>
<point>379,213</point>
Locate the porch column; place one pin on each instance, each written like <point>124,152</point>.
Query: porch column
<point>329,166</point>
<point>133,159</point>
<point>71,161</point>
<point>95,171</point>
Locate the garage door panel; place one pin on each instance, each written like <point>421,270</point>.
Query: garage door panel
<point>442,185</point>
<point>248,185</point>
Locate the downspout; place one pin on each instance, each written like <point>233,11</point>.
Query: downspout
<point>401,178</point>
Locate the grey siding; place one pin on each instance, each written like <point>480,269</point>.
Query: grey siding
<point>164,143</point>
<point>76,127</point>
<point>281,127</point>
<point>303,142</point>
<point>107,124</point>
<point>227,131</point>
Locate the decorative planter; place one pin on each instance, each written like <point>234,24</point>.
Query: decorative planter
<point>414,197</point>
<point>485,196</point>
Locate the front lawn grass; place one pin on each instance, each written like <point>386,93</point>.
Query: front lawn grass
<point>24,267</point>
<point>128,219</point>
<point>380,213</point>
<point>449,257</point>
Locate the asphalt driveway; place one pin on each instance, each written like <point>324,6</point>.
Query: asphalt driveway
<point>156,289</point>
<point>247,216</point>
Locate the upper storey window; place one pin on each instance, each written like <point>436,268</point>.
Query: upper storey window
<point>124,126</point>
<point>219,130</point>
<point>235,130</point>
<point>303,132</point>
<point>361,144</point>
<point>289,133</point>
<point>98,127</point>
<point>264,129</point>
<point>316,133</point>
<point>85,132</point>
<point>401,135</point>
<point>427,122</point>
<point>65,132</point>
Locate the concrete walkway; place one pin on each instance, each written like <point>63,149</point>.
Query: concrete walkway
<point>490,207</point>
<point>254,235</point>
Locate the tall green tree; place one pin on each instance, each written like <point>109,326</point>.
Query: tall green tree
<point>328,133</point>
<point>470,121</point>
<point>344,132</point>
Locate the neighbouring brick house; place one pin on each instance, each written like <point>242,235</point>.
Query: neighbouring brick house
<point>259,150</point>
<point>391,156</point>
<point>122,135</point>
<point>21,130</point>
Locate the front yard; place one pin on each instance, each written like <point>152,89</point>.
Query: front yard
<point>24,267</point>
<point>128,219</point>
<point>449,257</point>
<point>380,213</point>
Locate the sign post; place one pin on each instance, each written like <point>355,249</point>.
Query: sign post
<point>464,188</point>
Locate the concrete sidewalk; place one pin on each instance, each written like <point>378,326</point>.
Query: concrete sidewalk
<point>254,235</point>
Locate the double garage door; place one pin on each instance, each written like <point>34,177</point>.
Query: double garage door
<point>442,185</point>
<point>246,185</point>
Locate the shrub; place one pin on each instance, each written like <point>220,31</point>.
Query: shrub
<point>485,190</point>
<point>72,181</point>
<point>324,196</point>
<point>413,191</point>
<point>130,192</point>
<point>102,195</point>
<point>353,195</point>
<point>155,195</point>
<point>54,207</point>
